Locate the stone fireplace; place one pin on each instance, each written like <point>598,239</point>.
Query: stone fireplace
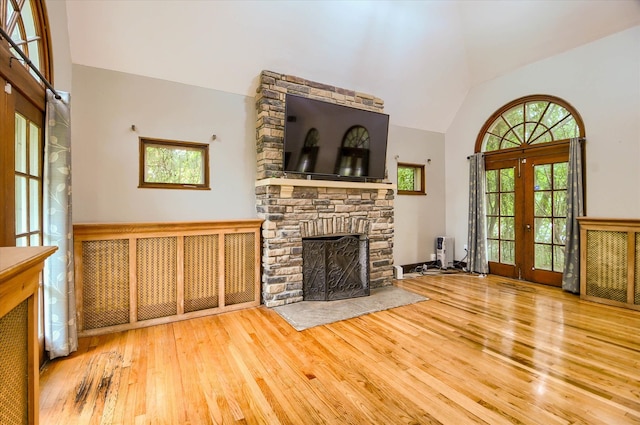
<point>294,208</point>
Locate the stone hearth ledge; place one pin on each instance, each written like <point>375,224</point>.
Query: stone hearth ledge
<point>287,185</point>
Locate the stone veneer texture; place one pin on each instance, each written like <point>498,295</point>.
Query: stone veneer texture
<point>311,211</point>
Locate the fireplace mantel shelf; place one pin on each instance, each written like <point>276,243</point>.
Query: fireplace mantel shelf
<point>291,183</point>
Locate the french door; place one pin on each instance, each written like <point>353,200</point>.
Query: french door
<point>526,213</point>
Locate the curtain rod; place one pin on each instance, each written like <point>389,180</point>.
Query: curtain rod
<point>28,62</point>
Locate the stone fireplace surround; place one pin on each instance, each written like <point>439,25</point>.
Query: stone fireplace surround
<point>294,208</point>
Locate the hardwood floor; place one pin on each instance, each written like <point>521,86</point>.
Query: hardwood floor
<point>481,350</point>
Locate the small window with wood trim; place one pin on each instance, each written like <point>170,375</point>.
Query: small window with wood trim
<point>168,164</point>
<point>411,179</point>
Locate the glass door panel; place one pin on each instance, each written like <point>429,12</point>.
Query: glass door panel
<point>501,217</point>
<point>544,240</point>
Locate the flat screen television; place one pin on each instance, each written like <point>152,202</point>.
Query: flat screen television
<point>326,140</point>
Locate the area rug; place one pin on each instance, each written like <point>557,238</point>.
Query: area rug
<point>307,314</point>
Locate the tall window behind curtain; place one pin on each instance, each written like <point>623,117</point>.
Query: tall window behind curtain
<point>477,233</point>
<point>575,209</point>
<point>59,292</point>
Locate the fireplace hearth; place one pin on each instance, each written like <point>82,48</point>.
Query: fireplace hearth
<point>335,267</point>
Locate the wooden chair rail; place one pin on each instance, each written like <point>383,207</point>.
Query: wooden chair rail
<point>130,275</point>
<point>610,261</point>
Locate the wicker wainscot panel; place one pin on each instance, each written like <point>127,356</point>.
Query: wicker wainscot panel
<point>200,272</point>
<point>607,265</point>
<point>14,395</point>
<point>157,280</point>
<point>239,268</point>
<point>105,295</point>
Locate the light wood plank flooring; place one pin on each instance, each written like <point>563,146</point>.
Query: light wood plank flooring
<point>481,350</point>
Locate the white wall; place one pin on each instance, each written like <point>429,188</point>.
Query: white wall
<point>418,219</point>
<point>105,104</point>
<point>602,81</point>
<point>57,14</point>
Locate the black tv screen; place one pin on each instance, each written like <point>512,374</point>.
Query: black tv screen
<point>326,139</point>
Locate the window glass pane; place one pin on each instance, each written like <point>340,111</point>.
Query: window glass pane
<point>507,228</point>
<point>519,132</point>
<point>507,252</point>
<point>406,179</point>
<point>542,204</point>
<point>544,138</point>
<point>554,114</point>
<point>21,205</point>
<point>560,173</point>
<point>22,241</point>
<point>507,183</point>
<point>542,228</point>
<point>559,231</point>
<point>21,144</point>
<point>542,259</point>
<point>560,203</point>
<point>515,115</point>
<point>510,141</point>
<point>34,56</point>
<point>535,110</point>
<point>493,247</point>
<point>499,127</point>
<point>558,259</point>
<point>566,130</point>
<point>491,143</point>
<point>542,177</point>
<point>492,180</point>
<point>34,150</point>
<point>537,132</point>
<point>34,205</point>
<point>27,19</point>
<point>507,205</point>
<point>492,204</point>
<point>177,165</point>
<point>34,240</point>
<point>492,227</point>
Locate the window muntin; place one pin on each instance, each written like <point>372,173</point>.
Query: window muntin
<point>173,164</point>
<point>24,21</point>
<point>411,180</point>
<point>532,120</point>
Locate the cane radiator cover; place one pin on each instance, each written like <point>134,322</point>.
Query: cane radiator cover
<point>607,279</point>
<point>13,366</point>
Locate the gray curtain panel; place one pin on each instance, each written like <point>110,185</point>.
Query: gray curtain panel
<point>477,232</point>
<point>575,209</point>
<point>60,333</point>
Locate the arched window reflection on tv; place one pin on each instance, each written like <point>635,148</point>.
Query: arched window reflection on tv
<point>309,154</point>
<point>354,153</point>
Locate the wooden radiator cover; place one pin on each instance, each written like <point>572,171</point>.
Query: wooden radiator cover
<point>610,261</point>
<point>139,274</point>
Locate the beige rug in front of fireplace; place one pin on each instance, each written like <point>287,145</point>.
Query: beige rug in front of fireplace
<point>307,314</point>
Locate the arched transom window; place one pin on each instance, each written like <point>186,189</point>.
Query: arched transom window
<point>529,121</point>
<point>25,22</point>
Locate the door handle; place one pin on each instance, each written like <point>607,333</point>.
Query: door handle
<point>528,226</point>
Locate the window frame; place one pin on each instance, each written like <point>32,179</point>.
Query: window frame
<point>204,147</point>
<point>421,180</point>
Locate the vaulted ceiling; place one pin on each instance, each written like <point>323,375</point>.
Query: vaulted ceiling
<point>421,57</point>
